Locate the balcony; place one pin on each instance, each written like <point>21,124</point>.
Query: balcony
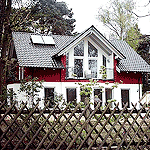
<point>80,73</point>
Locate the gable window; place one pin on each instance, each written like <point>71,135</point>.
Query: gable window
<point>92,60</point>
<point>79,49</point>
<point>104,61</point>
<point>78,67</point>
<point>92,51</point>
<point>97,97</point>
<point>93,68</point>
<point>125,97</point>
<point>84,60</point>
<point>67,65</point>
<point>78,59</point>
<point>49,96</point>
<point>71,95</point>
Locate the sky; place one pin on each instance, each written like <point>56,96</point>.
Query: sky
<point>86,11</point>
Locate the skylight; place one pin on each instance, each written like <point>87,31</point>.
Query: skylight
<point>48,40</point>
<point>38,39</point>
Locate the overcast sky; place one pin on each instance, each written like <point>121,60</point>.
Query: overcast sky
<point>85,13</point>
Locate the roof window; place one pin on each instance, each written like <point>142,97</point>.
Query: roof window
<point>41,39</point>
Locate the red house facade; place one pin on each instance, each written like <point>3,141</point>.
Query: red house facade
<point>62,61</point>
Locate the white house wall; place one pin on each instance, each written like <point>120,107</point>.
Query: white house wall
<point>60,88</point>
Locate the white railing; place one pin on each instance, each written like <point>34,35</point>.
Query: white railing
<point>85,74</point>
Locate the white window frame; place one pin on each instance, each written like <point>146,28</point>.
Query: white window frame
<point>86,59</point>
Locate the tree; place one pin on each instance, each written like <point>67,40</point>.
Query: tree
<point>133,37</point>
<point>117,17</point>
<point>5,40</point>
<point>144,51</point>
<point>5,44</point>
<point>45,16</point>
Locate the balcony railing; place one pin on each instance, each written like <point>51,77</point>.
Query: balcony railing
<point>80,73</point>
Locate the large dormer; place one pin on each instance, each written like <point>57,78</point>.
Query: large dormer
<point>87,53</point>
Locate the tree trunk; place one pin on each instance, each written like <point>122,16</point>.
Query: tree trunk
<point>5,35</point>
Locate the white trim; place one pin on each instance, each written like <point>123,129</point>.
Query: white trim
<point>92,30</point>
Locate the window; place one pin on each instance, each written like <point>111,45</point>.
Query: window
<point>97,97</point>
<point>71,95</point>
<point>92,51</point>
<point>93,68</point>
<point>92,60</point>
<point>83,61</point>
<point>49,96</point>
<point>67,65</point>
<point>108,94</point>
<point>125,98</point>
<point>104,61</point>
<point>78,59</point>
<point>83,96</point>
<point>79,49</point>
<point>78,67</point>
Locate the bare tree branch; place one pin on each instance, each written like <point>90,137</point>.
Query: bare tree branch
<point>138,15</point>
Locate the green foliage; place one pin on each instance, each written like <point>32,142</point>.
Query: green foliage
<point>103,72</point>
<point>118,17</point>
<point>133,37</point>
<point>87,89</point>
<point>44,17</point>
<point>31,86</point>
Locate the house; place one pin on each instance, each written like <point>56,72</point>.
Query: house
<point>61,61</point>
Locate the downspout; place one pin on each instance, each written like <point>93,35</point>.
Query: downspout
<point>139,88</point>
<point>60,75</point>
<point>19,73</point>
<point>32,88</point>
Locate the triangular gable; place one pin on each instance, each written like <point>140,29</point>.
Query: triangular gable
<point>97,37</point>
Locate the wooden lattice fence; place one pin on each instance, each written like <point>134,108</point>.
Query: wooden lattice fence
<point>74,128</point>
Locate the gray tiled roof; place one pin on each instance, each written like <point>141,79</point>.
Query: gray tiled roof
<point>133,62</point>
<point>32,55</point>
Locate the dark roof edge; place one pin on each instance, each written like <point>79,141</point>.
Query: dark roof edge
<point>76,37</point>
<point>107,40</point>
<point>83,33</point>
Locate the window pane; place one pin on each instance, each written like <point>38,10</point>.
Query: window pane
<point>108,93</point>
<point>125,97</point>
<point>97,92</point>
<point>67,65</point>
<point>79,49</point>
<point>104,61</point>
<point>92,51</point>
<point>49,96</point>
<point>93,68</point>
<point>71,95</point>
<point>78,67</point>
